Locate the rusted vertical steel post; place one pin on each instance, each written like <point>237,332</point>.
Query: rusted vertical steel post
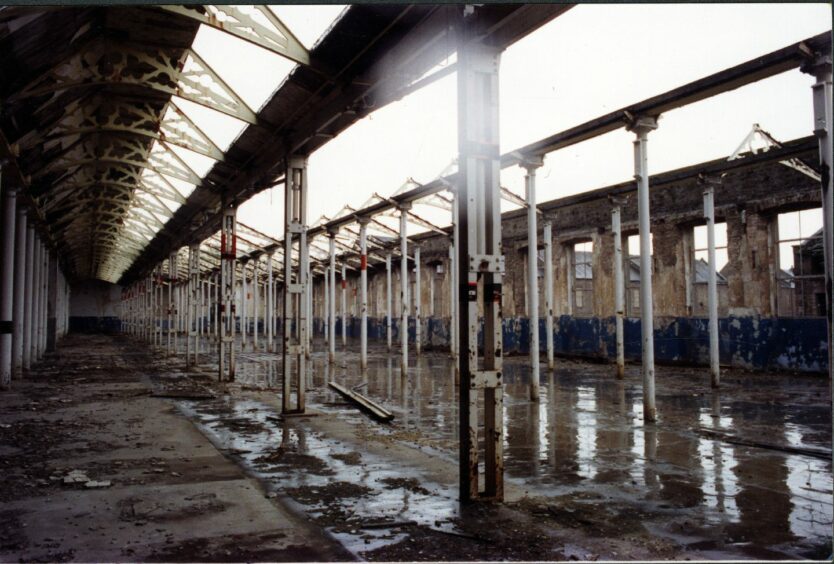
<point>712,282</point>
<point>19,292</point>
<point>7,276</point>
<point>344,305</point>
<point>418,315</point>
<point>296,284</point>
<point>388,308</point>
<point>363,293</point>
<point>479,256</point>
<point>45,299</point>
<point>547,235</point>
<point>532,275</point>
<point>404,304</point>
<point>641,126</point>
<point>619,287</point>
<point>228,259</point>
<point>332,285</point>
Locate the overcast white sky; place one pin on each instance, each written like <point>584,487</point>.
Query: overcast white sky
<point>588,62</point>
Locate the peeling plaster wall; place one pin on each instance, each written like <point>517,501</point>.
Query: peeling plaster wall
<point>748,201</point>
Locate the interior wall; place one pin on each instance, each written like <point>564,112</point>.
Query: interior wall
<point>94,307</point>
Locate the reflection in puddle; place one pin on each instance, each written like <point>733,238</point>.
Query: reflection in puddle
<point>585,437</point>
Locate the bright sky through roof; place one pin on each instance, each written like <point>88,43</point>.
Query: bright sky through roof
<point>587,62</point>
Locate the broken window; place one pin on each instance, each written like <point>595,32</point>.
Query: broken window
<point>631,273</point>
<point>800,271</point>
<point>582,278</point>
<point>699,272</point>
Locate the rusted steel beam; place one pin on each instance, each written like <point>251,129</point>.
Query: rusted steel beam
<point>365,404</point>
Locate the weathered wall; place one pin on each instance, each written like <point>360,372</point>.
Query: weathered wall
<point>95,307</point>
<point>751,336</point>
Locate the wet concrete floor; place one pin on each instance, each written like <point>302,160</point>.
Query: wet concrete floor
<point>741,472</point>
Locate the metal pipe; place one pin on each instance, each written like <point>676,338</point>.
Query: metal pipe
<point>619,288</point>
<point>7,284</point>
<point>641,127</point>
<point>19,292</point>
<point>712,287</point>
<point>363,294</point>
<point>547,235</point>
<point>532,278</point>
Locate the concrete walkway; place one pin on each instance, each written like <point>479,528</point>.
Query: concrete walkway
<point>94,468</point>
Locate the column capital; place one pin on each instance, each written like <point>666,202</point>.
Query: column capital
<point>404,206</point>
<point>817,64</point>
<point>529,162</point>
<point>709,181</point>
<point>363,220</point>
<point>641,125</point>
<point>617,201</point>
<point>332,232</point>
<point>296,161</point>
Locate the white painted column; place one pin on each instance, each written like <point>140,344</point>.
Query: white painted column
<point>344,305</point>
<point>619,288</point>
<point>36,300</point>
<point>388,312</point>
<point>308,335</point>
<point>547,235</point>
<point>363,293</point>
<point>19,292</point>
<point>820,68</point>
<point>641,127</point>
<point>270,306</point>
<point>332,312</point>
<point>418,317</point>
<point>255,304</point>
<point>326,316</point>
<point>404,304</point>
<point>532,277</point>
<point>7,276</point>
<point>712,286</point>
<point>244,317</point>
